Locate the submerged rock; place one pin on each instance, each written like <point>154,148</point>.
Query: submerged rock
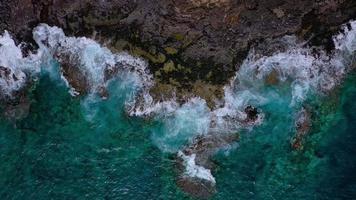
<point>17,109</point>
<point>302,126</point>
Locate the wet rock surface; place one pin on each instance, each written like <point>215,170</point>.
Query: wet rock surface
<point>187,42</point>
<point>10,81</point>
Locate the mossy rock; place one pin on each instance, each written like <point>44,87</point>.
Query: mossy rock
<point>171,50</point>
<point>178,37</point>
<point>158,74</point>
<point>169,66</point>
<point>160,58</point>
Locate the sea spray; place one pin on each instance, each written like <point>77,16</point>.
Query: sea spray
<point>88,68</point>
<point>345,42</point>
<point>15,69</point>
<point>299,73</point>
<point>194,170</point>
<point>83,58</point>
<point>183,124</point>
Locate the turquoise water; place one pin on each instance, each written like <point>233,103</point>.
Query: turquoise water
<point>265,167</point>
<point>80,148</point>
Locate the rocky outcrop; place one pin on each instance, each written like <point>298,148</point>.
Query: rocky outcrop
<point>194,164</point>
<point>193,161</point>
<point>188,42</point>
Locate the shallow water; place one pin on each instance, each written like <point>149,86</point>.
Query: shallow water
<point>87,147</point>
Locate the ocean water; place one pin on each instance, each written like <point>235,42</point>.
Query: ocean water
<point>72,146</point>
<point>265,167</point>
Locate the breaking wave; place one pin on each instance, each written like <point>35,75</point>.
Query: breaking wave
<point>194,170</point>
<point>280,82</point>
<point>15,69</point>
<point>83,58</point>
<point>290,76</point>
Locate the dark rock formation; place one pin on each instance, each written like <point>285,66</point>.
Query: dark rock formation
<point>252,114</point>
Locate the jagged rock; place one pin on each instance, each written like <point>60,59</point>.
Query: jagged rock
<point>10,82</point>
<point>252,114</point>
<point>75,77</point>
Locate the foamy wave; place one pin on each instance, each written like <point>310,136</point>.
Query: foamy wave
<point>346,41</point>
<point>83,58</point>
<point>298,67</point>
<point>182,124</point>
<point>144,105</point>
<point>194,170</point>
<point>15,69</point>
<point>295,67</point>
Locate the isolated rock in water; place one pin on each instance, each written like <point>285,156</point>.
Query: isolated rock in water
<point>75,77</point>
<point>302,126</point>
<point>252,114</point>
<point>194,166</point>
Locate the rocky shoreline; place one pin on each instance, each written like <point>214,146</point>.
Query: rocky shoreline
<point>194,47</point>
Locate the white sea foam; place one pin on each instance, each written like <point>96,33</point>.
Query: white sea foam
<point>346,41</point>
<point>296,67</point>
<point>147,107</point>
<point>194,170</point>
<point>15,68</point>
<point>91,59</point>
<point>182,124</point>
